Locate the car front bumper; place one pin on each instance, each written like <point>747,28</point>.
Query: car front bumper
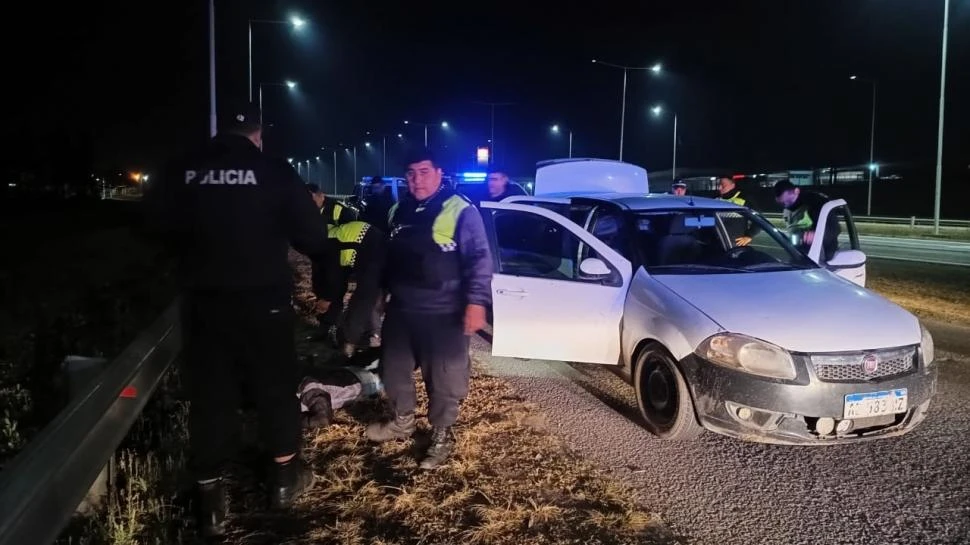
<point>754,408</point>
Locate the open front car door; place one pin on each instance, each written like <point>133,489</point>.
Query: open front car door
<point>836,243</point>
<point>558,292</point>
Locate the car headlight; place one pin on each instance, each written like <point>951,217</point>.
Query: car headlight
<point>748,355</point>
<point>926,346</point>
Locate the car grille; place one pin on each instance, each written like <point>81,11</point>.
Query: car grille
<point>854,367</point>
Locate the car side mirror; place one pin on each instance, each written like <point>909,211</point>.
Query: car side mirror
<point>593,267</point>
<point>847,258</point>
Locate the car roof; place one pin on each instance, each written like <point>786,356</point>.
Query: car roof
<point>653,201</point>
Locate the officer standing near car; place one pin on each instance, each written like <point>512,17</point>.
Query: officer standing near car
<point>740,230</point>
<point>230,214</point>
<point>438,272</point>
<point>802,209</point>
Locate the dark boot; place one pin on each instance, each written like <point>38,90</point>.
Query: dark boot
<point>288,481</point>
<point>442,443</point>
<point>211,509</point>
<point>401,427</point>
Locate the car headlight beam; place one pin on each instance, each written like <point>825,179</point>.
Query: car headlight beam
<point>747,354</point>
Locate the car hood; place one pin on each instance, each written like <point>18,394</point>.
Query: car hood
<point>802,311</point>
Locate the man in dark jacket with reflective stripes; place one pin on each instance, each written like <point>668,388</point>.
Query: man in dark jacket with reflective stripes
<point>439,273</point>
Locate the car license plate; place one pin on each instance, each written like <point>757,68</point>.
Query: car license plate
<point>875,404</point>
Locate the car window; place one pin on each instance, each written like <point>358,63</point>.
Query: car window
<point>703,242</point>
<point>607,227</point>
<point>535,246</point>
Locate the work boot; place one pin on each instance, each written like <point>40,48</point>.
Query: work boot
<point>211,509</point>
<point>288,481</point>
<point>442,443</point>
<point>401,427</point>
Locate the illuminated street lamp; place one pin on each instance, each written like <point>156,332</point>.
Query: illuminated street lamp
<point>655,69</point>
<point>289,84</point>
<point>657,111</point>
<point>296,22</point>
<point>555,130</point>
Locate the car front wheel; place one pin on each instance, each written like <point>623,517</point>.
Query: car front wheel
<point>663,397</point>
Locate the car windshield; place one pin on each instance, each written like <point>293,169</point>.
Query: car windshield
<point>699,241</point>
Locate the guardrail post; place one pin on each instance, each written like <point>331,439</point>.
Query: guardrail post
<point>81,372</point>
<point>912,223</point>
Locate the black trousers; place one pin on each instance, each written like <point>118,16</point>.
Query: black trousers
<point>437,344</point>
<point>231,339</point>
<point>363,315</point>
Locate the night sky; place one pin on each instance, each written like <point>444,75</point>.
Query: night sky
<point>757,85</point>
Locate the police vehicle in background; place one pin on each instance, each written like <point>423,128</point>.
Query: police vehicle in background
<point>760,342</point>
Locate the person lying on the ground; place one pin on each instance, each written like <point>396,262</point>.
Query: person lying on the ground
<point>331,390</point>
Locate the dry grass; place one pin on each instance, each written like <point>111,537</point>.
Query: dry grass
<point>510,481</point>
<point>934,291</point>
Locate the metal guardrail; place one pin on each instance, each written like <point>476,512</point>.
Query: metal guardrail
<point>912,221</point>
<point>43,485</point>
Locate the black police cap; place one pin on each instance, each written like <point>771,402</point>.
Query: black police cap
<point>241,115</point>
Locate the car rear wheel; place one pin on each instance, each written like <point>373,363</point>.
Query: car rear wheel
<point>663,397</point>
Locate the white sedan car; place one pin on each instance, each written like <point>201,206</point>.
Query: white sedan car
<point>759,342</point>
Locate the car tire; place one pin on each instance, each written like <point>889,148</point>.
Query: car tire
<point>663,397</point>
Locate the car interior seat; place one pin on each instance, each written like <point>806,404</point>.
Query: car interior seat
<point>679,245</point>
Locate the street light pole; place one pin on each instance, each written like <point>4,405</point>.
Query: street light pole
<point>673,167</point>
<point>570,143</point>
<point>654,68</point>
<point>939,132</point>
<point>872,147</point>
<point>212,68</point>
<point>250,60</point>
<point>623,113</point>
<point>384,155</point>
<point>355,166</point>
<point>492,105</point>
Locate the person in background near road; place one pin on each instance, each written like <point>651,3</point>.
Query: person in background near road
<point>802,210</point>
<point>499,186</point>
<point>359,254</point>
<point>378,205</point>
<point>230,214</point>
<point>679,189</point>
<point>741,230</point>
<point>332,211</point>
<point>439,273</point>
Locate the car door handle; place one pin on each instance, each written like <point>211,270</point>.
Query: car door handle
<point>512,293</point>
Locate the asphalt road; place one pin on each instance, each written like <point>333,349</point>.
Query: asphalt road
<point>716,490</point>
<point>945,252</point>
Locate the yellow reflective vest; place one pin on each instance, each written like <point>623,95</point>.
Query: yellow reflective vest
<point>350,235</point>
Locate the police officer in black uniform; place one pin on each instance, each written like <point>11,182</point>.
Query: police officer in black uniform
<point>439,273</point>
<point>231,214</point>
